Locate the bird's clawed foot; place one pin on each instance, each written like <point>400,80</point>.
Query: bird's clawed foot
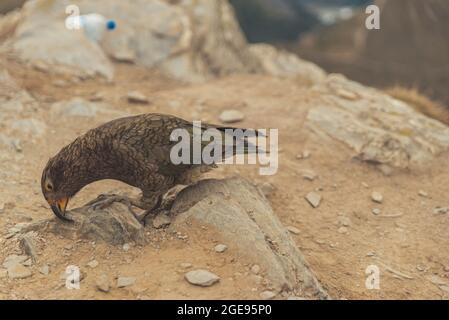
<point>152,206</point>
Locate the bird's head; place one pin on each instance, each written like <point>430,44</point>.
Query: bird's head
<point>58,185</point>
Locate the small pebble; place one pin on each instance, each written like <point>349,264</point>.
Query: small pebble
<point>376,211</point>
<point>220,248</point>
<point>255,269</point>
<point>293,230</point>
<point>314,199</point>
<point>202,278</point>
<point>267,295</point>
<point>123,282</point>
<point>377,197</point>
<point>92,264</point>
<point>231,116</point>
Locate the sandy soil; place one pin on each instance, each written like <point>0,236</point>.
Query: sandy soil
<point>409,247</point>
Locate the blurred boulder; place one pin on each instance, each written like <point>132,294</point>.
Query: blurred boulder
<point>285,64</point>
<point>381,129</point>
<point>188,40</point>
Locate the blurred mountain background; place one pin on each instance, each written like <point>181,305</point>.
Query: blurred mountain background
<point>410,50</point>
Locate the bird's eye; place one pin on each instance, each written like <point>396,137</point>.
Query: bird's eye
<point>49,186</point>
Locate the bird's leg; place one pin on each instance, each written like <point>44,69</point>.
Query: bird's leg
<point>104,201</point>
<point>152,202</point>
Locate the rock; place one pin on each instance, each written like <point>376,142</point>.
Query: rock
<point>74,54</point>
<point>309,175</point>
<point>31,127</point>
<point>255,269</point>
<point>28,245</point>
<point>304,155</point>
<point>102,283</point>
<point>377,197</point>
<point>123,282</point>
<point>376,211</point>
<point>344,221</point>
<point>381,130</point>
<point>92,264</point>
<point>284,64</point>
<point>423,194</point>
<point>45,270</point>
<point>441,210</point>
<point>220,248</point>
<point>314,199</point>
<point>231,116</point>
<point>267,295</point>
<point>137,97</point>
<point>18,271</point>
<point>114,225</point>
<point>342,230</point>
<point>161,220</point>
<point>293,230</point>
<point>185,265</point>
<point>244,220</point>
<point>202,278</point>
<point>126,247</point>
<point>76,107</point>
<point>13,260</point>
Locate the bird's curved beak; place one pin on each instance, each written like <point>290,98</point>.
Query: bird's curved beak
<point>58,207</point>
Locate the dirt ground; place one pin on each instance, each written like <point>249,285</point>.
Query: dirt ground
<point>339,239</point>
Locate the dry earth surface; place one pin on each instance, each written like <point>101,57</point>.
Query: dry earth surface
<point>339,239</point>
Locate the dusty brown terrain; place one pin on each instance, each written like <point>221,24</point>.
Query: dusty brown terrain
<point>340,238</point>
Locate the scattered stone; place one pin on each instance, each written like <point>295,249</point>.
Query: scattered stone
<point>231,116</point>
<point>137,97</point>
<point>304,155</point>
<point>28,263</point>
<point>220,248</point>
<point>202,278</point>
<point>97,97</point>
<point>377,197</point>
<point>126,247</point>
<point>161,220</point>
<point>343,230</point>
<point>123,282</point>
<point>45,269</point>
<point>344,221</point>
<point>423,194</point>
<point>18,271</point>
<point>309,175</point>
<point>441,210</point>
<point>314,199</point>
<point>14,260</point>
<point>376,211</point>
<point>93,264</point>
<point>185,265</point>
<point>255,269</point>
<point>267,295</point>
<point>28,245</point>
<point>293,230</point>
<point>365,185</point>
<point>102,283</point>
<point>33,127</point>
